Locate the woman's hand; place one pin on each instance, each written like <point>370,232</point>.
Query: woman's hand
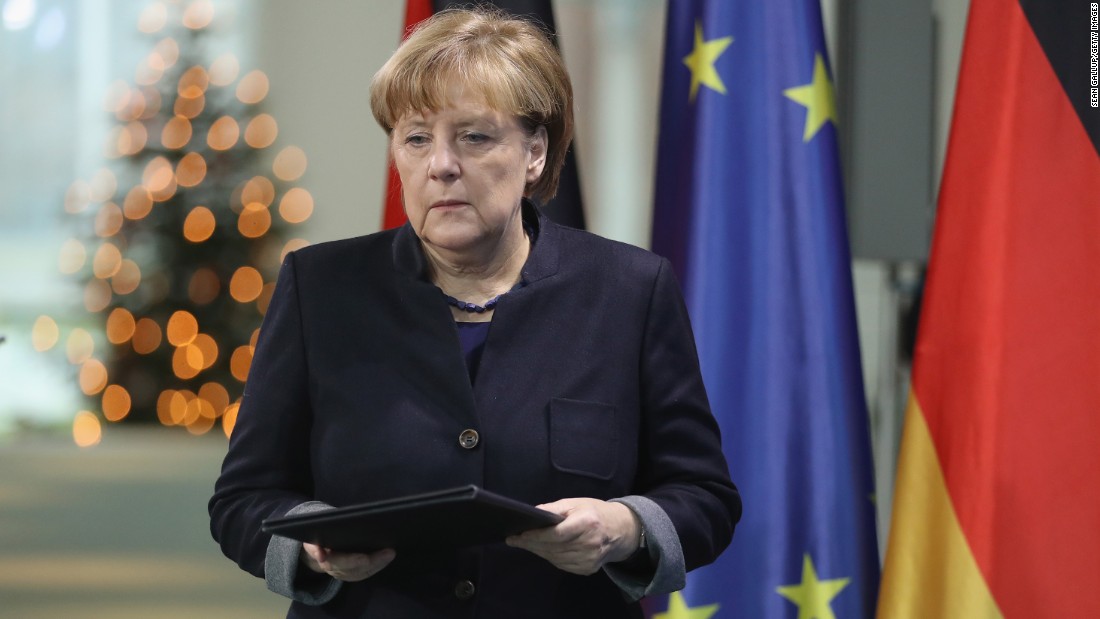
<point>346,566</point>
<point>593,533</point>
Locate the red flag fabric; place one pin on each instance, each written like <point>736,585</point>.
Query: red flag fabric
<point>997,504</point>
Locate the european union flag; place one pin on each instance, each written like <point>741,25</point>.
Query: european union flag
<point>749,208</point>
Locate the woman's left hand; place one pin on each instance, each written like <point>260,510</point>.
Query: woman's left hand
<point>593,533</point>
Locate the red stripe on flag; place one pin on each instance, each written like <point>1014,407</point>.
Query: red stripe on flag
<point>393,214</point>
<point>1007,367</point>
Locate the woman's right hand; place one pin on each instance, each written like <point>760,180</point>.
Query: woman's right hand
<point>346,566</point>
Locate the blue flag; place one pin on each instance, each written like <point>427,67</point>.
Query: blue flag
<point>749,209</point>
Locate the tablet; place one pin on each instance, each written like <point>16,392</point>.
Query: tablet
<point>463,516</point>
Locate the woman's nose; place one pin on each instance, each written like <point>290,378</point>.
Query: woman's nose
<point>443,164</point>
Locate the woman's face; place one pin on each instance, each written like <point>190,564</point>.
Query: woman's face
<point>463,170</point>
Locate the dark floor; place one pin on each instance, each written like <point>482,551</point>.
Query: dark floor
<point>117,531</point>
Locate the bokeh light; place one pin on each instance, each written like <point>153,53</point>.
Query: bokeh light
<point>290,164</point>
<point>97,295</point>
<point>258,190</point>
<point>116,403</point>
<point>138,203</point>
<point>199,224</point>
<point>128,277</point>
<point>261,131</point>
<point>296,205</point>
<point>72,257</point>
<point>229,418</point>
<point>149,71</point>
<point>193,82</point>
<point>153,17</point>
<point>44,333</point>
<point>187,361</point>
<point>79,346</point>
<point>253,340</point>
<point>224,69</point>
<point>182,328</point>
<point>132,138</point>
<point>216,395</point>
<point>103,185</point>
<point>292,245</point>
<point>208,348</point>
<point>246,284</point>
<point>147,336</point>
<point>164,54</point>
<point>204,286</point>
<point>198,14</point>
<point>120,326</point>
<point>254,223</point>
<point>240,362</point>
<point>107,261</point>
<point>176,133</point>
<point>157,175</point>
<point>86,429</point>
<point>223,134</point>
<point>152,101</point>
<point>108,221</point>
<point>164,407</point>
<point>253,87</point>
<point>77,197</point>
<point>93,377</point>
<point>189,107</point>
<point>190,170</point>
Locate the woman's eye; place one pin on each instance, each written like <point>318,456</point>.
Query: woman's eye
<point>416,140</point>
<point>475,138</point>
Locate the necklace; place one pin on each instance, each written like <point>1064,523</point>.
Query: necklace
<point>466,306</point>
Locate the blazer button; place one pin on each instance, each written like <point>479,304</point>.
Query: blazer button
<point>468,439</point>
<point>465,590</point>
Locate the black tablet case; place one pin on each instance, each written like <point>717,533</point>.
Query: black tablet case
<point>463,516</point>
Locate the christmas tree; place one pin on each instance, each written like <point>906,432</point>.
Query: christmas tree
<point>184,242</point>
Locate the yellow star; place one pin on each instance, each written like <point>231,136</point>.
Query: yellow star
<point>678,609</point>
<point>813,596</point>
<point>818,98</point>
<point>701,62</point>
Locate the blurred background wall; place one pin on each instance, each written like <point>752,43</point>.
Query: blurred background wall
<point>895,65</point>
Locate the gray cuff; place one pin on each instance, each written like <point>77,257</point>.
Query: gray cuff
<point>283,561</point>
<point>665,554</point>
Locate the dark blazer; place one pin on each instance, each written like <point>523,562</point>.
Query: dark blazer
<point>589,386</point>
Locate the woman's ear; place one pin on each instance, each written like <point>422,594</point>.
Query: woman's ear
<point>536,151</point>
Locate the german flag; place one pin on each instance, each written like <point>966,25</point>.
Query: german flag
<point>566,208</point>
<point>997,507</point>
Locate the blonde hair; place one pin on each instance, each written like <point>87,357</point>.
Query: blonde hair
<point>509,61</point>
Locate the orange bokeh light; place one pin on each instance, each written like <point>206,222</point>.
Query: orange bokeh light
<point>176,133</point>
<point>254,223</point>
<point>79,347</point>
<point>153,17</point>
<point>86,429</point>
<point>103,186</point>
<point>240,362</point>
<point>187,361</point>
<point>229,419</point>
<point>127,279</point>
<point>78,196</point>
<point>44,333</point>
<point>147,336</point>
<point>246,284</point>
<point>223,134</point>
<point>182,328</point>
<point>265,298</point>
<point>261,131</point>
<point>198,14</point>
<point>204,286</point>
<point>120,326</point>
<point>199,224</point>
<point>189,107</point>
<point>193,82</point>
<point>116,403</point>
<point>93,377</point>
<point>253,87</point>
<point>72,256</point>
<point>97,295</point>
<point>296,205</point>
<point>108,221</point>
<point>258,190</point>
<point>191,170</point>
<point>292,245</point>
<point>132,138</point>
<point>138,203</point>
<point>224,69</point>
<point>106,261</point>
<point>290,164</point>
<point>216,395</point>
<point>208,349</point>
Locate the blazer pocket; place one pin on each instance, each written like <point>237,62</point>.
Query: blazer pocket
<point>583,438</point>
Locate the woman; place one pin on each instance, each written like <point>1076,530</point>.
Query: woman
<point>478,344</point>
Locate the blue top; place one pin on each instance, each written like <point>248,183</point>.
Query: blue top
<point>472,336</point>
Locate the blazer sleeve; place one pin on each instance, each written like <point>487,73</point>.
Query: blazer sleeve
<point>266,471</point>
<point>681,464</point>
